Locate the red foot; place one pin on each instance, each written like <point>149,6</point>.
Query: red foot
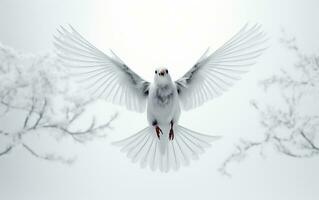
<point>158,131</point>
<point>171,134</point>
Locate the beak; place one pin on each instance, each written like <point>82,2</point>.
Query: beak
<point>162,73</point>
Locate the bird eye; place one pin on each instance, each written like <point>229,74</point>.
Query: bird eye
<point>166,71</point>
<point>155,71</point>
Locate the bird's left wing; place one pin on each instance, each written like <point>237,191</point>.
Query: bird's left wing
<point>105,76</point>
<point>216,72</point>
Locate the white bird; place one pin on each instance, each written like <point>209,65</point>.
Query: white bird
<point>163,144</point>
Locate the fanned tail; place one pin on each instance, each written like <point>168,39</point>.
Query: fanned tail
<point>144,147</point>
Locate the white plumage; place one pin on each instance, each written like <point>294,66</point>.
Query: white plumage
<point>163,144</point>
<point>146,148</point>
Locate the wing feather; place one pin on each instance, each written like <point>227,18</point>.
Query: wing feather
<point>104,76</point>
<point>214,73</point>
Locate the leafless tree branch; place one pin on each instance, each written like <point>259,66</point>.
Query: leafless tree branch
<point>6,151</point>
<point>48,157</point>
<point>289,128</point>
<point>36,89</point>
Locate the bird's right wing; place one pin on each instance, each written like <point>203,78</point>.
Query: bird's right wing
<point>105,76</point>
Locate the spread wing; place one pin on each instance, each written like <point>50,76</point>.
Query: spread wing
<point>105,76</point>
<point>216,72</point>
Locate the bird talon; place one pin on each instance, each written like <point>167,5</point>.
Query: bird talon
<point>158,131</point>
<point>171,135</point>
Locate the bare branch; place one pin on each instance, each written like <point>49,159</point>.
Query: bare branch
<point>49,157</point>
<point>38,88</point>
<point>309,141</point>
<point>6,151</point>
<point>288,127</point>
<point>89,132</point>
<point>30,113</point>
<point>239,154</point>
<point>40,114</point>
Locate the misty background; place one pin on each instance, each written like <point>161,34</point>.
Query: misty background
<point>57,162</point>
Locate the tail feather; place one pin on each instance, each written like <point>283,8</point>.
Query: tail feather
<point>144,147</point>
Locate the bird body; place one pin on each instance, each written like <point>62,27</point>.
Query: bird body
<point>163,105</point>
<point>163,144</point>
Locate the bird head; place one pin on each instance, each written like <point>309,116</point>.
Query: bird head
<point>162,76</point>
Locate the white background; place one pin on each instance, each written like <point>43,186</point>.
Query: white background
<point>148,34</point>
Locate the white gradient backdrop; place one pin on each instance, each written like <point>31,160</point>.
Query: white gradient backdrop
<point>148,34</point>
